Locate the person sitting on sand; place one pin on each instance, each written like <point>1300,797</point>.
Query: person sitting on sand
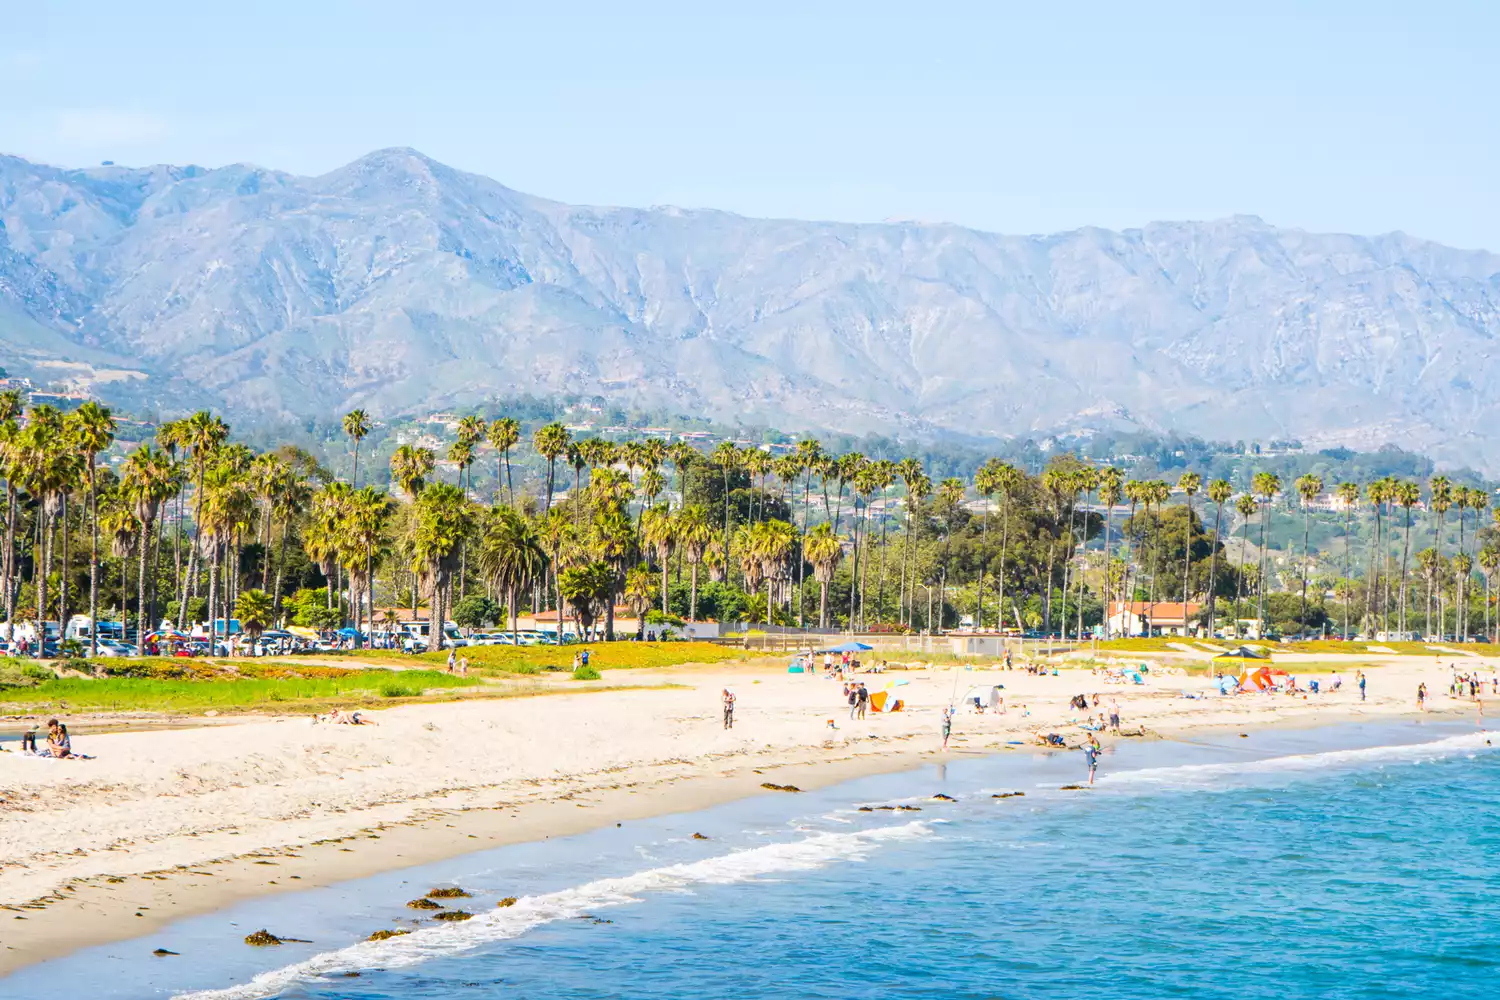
<point>58,743</point>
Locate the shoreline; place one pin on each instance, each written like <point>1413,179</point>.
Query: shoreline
<point>123,890</point>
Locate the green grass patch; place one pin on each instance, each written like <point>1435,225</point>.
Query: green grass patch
<point>534,659</point>
<point>228,693</point>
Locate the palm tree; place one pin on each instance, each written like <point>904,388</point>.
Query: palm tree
<point>810,455</point>
<point>1479,501</point>
<point>441,521</point>
<point>612,540</point>
<point>461,454</point>
<point>1379,493</point>
<point>917,486</point>
<point>639,594</point>
<point>1442,497</point>
<point>93,430</point>
<point>694,534</point>
<point>1110,490</point>
<point>950,502</point>
<point>550,441</point>
<point>504,434</point>
<point>150,479</point>
<point>585,588</point>
<point>1245,506</point>
<point>289,493</point>
<point>363,535</point>
<point>1308,487</point>
<point>1265,485</point>
<point>1189,483</point>
<point>410,467</point>
<point>987,484</point>
<point>1489,562</point>
<point>1430,563</point>
<point>257,612</point>
<point>659,533</point>
<point>47,471</point>
<point>357,426</point>
<point>511,558</point>
<point>201,434</point>
<point>1408,495</point>
<point>824,550</point>
<point>1348,494</point>
<point>728,458</point>
<point>1219,491</point>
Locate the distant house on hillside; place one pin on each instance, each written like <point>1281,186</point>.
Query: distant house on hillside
<point>1145,618</point>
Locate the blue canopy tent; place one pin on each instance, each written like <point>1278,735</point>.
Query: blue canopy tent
<point>846,647</point>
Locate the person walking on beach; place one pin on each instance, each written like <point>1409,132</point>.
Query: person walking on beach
<point>947,727</point>
<point>1421,697</point>
<point>728,709</point>
<point>1091,754</point>
<point>1361,685</point>
<point>452,660</point>
<point>863,695</point>
<point>853,698</point>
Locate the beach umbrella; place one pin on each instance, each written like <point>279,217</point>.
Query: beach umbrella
<point>846,647</point>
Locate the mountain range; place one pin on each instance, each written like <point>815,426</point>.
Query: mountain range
<point>402,285</point>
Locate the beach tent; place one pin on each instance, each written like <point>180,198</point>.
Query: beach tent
<point>885,700</point>
<point>846,647</point>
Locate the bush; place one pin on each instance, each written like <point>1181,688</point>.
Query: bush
<point>37,672</point>
<point>585,672</point>
<point>395,689</point>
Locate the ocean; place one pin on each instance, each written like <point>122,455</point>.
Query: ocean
<point>1341,862</point>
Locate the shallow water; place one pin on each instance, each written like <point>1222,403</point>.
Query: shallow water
<point>1354,862</point>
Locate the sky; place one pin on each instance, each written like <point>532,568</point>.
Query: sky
<point>1019,118</point>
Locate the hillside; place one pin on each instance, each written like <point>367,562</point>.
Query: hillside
<point>402,285</point>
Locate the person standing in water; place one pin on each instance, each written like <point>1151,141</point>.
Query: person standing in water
<point>1421,697</point>
<point>1091,754</point>
<point>947,726</point>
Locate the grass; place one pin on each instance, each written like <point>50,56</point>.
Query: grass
<point>1161,644</point>
<point>229,693</point>
<point>535,659</point>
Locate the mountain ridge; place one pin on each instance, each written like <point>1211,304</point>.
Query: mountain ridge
<point>401,284</point>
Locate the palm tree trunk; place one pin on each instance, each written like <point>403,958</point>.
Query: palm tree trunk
<point>1213,567</point>
<point>1306,529</point>
<point>693,597</point>
<point>62,579</point>
<point>190,578</point>
<point>93,560</point>
<point>140,591</point>
<point>40,561</point>
<point>280,566</point>
<point>1405,561</point>
<point>213,599</point>
<point>1348,580</point>
<point>664,564</point>
<point>822,605</point>
<point>11,565</point>
<point>1187,562</point>
<point>1260,589</point>
<point>806,490</point>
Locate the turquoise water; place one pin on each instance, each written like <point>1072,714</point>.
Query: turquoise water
<point>1347,863</point>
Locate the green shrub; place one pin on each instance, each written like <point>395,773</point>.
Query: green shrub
<point>585,672</point>
<point>395,689</point>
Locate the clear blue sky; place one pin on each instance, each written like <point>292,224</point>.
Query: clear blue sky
<point>1360,117</point>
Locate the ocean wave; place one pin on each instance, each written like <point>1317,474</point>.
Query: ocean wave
<point>1226,773</point>
<point>529,912</point>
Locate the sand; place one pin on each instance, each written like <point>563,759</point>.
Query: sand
<point>168,822</point>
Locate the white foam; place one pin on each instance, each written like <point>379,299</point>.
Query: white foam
<point>532,911</point>
<point>1196,775</point>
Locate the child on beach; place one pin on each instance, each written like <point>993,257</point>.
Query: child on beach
<point>1091,750</point>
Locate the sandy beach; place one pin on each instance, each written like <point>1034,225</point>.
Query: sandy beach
<point>168,822</point>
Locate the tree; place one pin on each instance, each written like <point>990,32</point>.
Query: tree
<point>511,557</point>
<point>1219,492</point>
<point>150,479</point>
<point>202,434</point>
<point>475,611</point>
<point>441,521</point>
<point>1246,506</point>
<point>357,426</point>
<point>1348,494</point>
<point>640,594</point>
<point>1189,483</point>
<point>93,430</point>
<point>504,433</point>
<point>585,588</point>
<point>1489,563</point>
<point>1407,496</point>
<point>824,550</point>
<point>1442,499</point>
<point>659,534</point>
<point>256,612</point>
<point>410,467</point>
<point>550,441</point>
<point>694,535</point>
<point>1265,486</point>
<point>1308,488</point>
